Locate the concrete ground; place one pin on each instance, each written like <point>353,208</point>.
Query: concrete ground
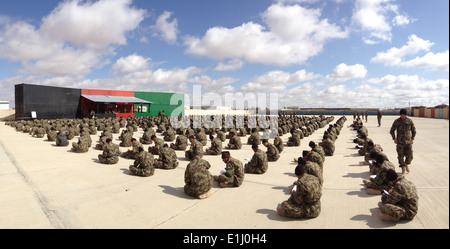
<point>45,186</point>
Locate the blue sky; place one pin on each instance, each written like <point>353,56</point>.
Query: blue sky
<point>311,53</point>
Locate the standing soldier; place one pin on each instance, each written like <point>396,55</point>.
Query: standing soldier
<point>233,176</point>
<point>143,164</point>
<point>379,115</point>
<point>406,131</point>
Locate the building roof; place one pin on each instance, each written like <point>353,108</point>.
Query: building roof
<point>115,99</point>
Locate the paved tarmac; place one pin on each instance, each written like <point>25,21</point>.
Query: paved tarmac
<point>50,187</point>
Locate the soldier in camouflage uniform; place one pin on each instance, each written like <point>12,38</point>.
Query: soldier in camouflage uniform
<point>198,181</point>
<point>51,134</point>
<point>272,151</point>
<point>328,145</point>
<point>61,139</point>
<point>169,134</point>
<point>143,164</point>
<point>379,183</point>
<point>167,159</point>
<point>318,149</point>
<point>196,148</point>
<point>254,138</point>
<point>216,146</point>
<point>110,153</point>
<point>402,202</point>
<point>180,143</point>
<point>125,137</point>
<point>159,143</point>
<point>406,131</point>
<point>133,153</point>
<point>233,176</point>
<point>258,164</point>
<point>294,139</point>
<point>305,200</point>
<point>311,168</point>
<point>147,136</point>
<point>278,142</point>
<point>81,146</point>
<point>371,147</point>
<point>235,142</point>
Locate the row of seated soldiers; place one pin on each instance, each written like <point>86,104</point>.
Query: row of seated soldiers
<point>374,157</point>
<point>399,199</point>
<point>63,130</point>
<point>306,192</point>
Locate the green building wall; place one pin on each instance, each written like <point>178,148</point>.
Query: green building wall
<point>171,103</point>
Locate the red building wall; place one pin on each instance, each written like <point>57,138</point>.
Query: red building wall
<point>87,105</point>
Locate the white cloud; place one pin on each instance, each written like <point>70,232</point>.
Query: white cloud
<point>343,72</point>
<point>96,25</point>
<point>130,64</point>
<point>295,34</point>
<point>373,19</point>
<point>166,30</point>
<point>75,38</point>
<point>277,81</point>
<point>231,65</point>
<point>395,56</point>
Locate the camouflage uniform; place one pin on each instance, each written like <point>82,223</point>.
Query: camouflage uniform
<point>402,202</point>
<point>110,154</point>
<point>81,146</point>
<point>216,147</point>
<point>328,146</point>
<point>258,164</point>
<point>320,151</point>
<point>126,139</point>
<point>197,178</point>
<point>51,135</point>
<point>380,182</point>
<point>314,169</point>
<point>254,138</point>
<point>61,139</point>
<point>180,143</point>
<point>305,202</point>
<point>143,164</point>
<point>169,135</point>
<point>155,150</point>
<point>234,173</point>
<point>146,137</point>
<point>272,153</point>
<point>235,143</point>
<point>196,148</point>
<point>134,152</point>
<point>294,140</point>
<point>406,131</point>
<point>167,159</point>
<point>278,142</point>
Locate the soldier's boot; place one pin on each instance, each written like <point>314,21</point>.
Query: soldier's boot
<point>225,185</point>
<point>205,195</point>
<point>403,170</point>
<point>407,168</point>
<point>365,163</point>
<point>365,181</point>
<point>372,191</point>
<point>380,204</point>
<point>280,211</point>
<point>387,217</point>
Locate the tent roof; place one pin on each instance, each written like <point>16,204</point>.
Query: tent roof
<point>115,99</point>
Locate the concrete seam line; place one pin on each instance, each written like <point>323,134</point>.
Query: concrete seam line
<point>42,203</point>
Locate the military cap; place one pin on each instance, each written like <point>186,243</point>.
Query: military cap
<point>391,175</point>
<point>226,154</point>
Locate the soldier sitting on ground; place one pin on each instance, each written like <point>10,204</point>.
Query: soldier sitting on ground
<point>143,164</point>
<point>110,153</point>
<point>61,139</point>
<point>233,176</point>
<point>133,153</point>
<point>197,178</point>
<point>215,148</point>
<point>167,158</point>
<point>305,197</point>
<point>258,164</point>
